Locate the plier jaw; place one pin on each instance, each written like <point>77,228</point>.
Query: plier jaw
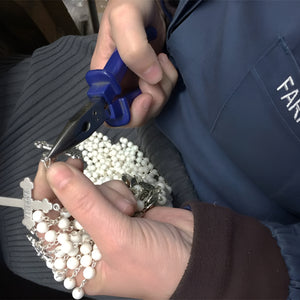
<point>82,125</point>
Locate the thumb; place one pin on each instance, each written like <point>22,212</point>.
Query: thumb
<point>86,204</point>
<point>128,35</point>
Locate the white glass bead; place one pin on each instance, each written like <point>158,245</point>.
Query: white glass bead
<point>161,179</point>
<point>59,264</point>
<point>77,225</point>
<point>89,273</point>
<point>59,276</point>
<point>154,172</point>
<point>113,152</point>
<point>161,185</point>
<point>72,263</point>
<point>77,293</point>
<point>86,173</point>
<point>162,200</point>
<point>69,283</point>
<point>62,237</point>
<point>49,264</point>
<point>85,248</point>
<point>42,227</point>
<point>143,170</point>
<point>74,251</point>
<point>85,237</point>
<point>59,252</point>
<point>63,223</point>
<point>96,255</point>
<point>169,189</point>
<point>86,260</point>
<point>140,205</point>
<point>38,216</point>
<point>117,164</point>
<point>50,236</point>
<point>64,213</point>
<point>67,246</point>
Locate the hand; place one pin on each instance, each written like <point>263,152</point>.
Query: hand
<point>123,27</point>
<point>141,257</point>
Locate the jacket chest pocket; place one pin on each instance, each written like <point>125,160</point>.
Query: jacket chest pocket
<point>259,125</point>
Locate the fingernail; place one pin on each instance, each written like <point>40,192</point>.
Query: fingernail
<point>153,74</point>
<point>59,175</point>
<point>127,205</point>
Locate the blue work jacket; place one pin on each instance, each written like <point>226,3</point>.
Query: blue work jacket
<point>235,112</point>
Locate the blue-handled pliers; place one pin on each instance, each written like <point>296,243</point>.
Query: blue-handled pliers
<point>102,107</point>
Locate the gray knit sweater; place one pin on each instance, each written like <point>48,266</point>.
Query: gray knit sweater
<point>38,95</point>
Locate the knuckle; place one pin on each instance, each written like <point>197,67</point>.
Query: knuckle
<point>118,12</point>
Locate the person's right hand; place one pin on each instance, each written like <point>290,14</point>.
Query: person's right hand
<point>123,27</point>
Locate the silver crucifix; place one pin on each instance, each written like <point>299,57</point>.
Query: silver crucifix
<point>27,203</point>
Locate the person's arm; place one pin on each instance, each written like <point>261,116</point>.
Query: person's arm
<point>233,257</point>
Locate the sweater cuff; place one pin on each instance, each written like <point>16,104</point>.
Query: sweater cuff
<point>232,257</point>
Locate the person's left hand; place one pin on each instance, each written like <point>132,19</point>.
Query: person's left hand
<point>141,257</point>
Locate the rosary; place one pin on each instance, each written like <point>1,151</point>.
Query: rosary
<point>57,237</point>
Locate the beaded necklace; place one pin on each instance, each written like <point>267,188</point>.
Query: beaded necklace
<point>61,241</point>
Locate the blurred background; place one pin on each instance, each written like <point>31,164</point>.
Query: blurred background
<point>30,24</point>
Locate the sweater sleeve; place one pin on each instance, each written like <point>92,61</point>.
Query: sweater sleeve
<point>232,257</point>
